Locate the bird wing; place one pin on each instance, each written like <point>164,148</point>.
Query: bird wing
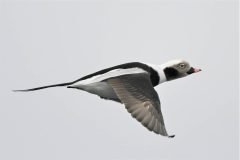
<point>140,99</point>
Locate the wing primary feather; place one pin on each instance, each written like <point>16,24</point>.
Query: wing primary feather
<point>141,100</point>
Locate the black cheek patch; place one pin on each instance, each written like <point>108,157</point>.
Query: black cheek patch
<point>171,73</point>
<point>191,70</point>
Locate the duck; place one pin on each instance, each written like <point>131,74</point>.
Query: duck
<point>132,84</point>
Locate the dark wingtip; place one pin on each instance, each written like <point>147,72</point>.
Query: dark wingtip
<point>171,136</point>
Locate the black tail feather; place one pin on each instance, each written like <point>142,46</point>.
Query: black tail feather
<point>43,87</point>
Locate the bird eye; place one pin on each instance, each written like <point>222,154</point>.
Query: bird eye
<point>182,65</point>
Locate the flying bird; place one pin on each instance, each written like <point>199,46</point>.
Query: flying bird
<point>132,84</point>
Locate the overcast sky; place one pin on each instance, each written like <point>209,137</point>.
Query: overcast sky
<point>58,41</point>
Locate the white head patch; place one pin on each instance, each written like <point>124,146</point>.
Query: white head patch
<point>173,62</point>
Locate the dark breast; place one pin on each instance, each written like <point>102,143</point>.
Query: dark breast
<point>153,74</point>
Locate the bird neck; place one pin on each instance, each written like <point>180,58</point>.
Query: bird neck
<point>160,70</point>
<point>161,74</point>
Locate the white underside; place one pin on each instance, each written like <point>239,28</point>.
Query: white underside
<point>101,89</point>
<point>98,86</point>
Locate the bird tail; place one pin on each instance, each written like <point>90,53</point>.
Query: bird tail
<point>43,87</point>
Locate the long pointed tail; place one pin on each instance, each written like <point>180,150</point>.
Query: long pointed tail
<point>43,87</point>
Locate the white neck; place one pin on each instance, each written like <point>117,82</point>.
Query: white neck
<point>159,69</point>
<point>162,75</point>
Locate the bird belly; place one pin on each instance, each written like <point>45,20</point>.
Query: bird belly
<point>102,89</point>
<point>97,84</point>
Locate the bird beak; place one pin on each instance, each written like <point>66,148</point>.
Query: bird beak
<point>196,70</point>
<point>193,70</point>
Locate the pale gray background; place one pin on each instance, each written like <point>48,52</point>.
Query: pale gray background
<point>58,41</point>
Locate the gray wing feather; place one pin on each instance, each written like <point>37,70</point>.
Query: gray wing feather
<point>140,99</point>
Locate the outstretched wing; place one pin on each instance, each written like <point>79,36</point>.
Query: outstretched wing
<point>140,99</point>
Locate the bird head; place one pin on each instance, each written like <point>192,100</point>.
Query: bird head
<point>177,69</point>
